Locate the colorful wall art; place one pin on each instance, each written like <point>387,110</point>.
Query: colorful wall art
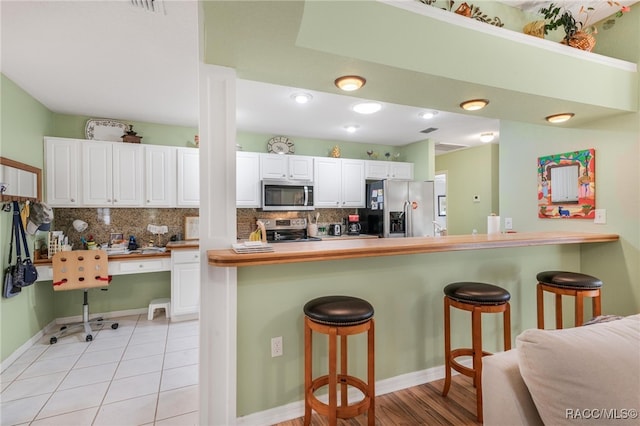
<point>567,185</point>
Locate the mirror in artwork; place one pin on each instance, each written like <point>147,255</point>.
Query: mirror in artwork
<point>567,185</point>
<point>19,181</point>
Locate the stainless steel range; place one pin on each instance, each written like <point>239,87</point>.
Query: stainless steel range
<point>287,230</point>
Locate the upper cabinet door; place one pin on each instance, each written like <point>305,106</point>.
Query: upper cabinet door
<point>160,172</point>
<point>300,167</point>
<point>62,171</point>
<point>274,166</point>
<point>376,169</point>
<point>327,183</point>
<point>127,175</point>
<point>248,188</point>
<point>401,171</point>
<point>97,174</point>
<point>353,183</point>
<point>188,194</point>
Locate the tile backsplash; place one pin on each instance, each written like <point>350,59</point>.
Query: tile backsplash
<point>246,218</point>
<point>105,221</point>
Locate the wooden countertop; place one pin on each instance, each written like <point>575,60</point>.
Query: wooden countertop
<point>362,248</point>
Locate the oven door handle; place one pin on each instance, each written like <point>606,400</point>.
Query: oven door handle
<point>306,195</point>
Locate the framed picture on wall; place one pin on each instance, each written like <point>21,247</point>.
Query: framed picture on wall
<point>442,205</point>
<point>191,227</point>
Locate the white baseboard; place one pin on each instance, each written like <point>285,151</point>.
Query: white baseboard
<point>393,384</point>
<point>28,344</point>
<point>54,325</point>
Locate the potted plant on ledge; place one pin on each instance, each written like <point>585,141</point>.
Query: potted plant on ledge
<point>575,32</point>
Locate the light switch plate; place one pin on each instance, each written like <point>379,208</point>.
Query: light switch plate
<point>600,216</point>
<point>508,223</point>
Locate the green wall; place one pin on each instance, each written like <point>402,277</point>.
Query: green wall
<point>470,172</point>
<point>24,123</point>
<point>617,155</point>
<point>73,126</point>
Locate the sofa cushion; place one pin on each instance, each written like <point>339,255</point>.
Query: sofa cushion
<point>584,375</point>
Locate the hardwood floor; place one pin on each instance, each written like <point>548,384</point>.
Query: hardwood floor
<point>419,405</point>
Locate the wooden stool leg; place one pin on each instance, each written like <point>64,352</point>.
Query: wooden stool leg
<point>343,371</point>
<point>447,347</point>
<point>506,324</point>
<point>540,297</point>
<point>333,375</point>
<point>579,309</point>
<point>558,311</point>
<point>371,381</point>
<point>307,371</point>
<point>476,327</point>
<point>596,304</point>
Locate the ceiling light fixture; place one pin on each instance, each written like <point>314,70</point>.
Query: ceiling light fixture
<point>301,98</point>
<point>349,83</point>
<point>486,137</point>
<point>474,104</point>
<point>559,118</point>
<point>428,115</point>
<point>352,128</point>
<point>367,107</point>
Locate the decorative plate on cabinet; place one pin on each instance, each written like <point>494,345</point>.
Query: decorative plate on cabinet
<point>105,130</point>
<point>281,145</point>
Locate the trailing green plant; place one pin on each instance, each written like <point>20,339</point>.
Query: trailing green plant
<point>476,13</point>
<point>556,18</point>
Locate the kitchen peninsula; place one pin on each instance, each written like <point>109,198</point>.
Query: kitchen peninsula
<point>403,279</point>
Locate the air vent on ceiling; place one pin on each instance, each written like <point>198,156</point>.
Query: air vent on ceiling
<point>446,147</point>
<point>429,130</point>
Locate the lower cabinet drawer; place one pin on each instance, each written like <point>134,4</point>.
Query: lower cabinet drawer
<point>140,266</point>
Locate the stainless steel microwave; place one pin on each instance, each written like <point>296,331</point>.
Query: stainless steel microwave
<point>279,195</point>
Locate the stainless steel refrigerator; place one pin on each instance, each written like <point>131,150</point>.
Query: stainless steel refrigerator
<point>399,209</point>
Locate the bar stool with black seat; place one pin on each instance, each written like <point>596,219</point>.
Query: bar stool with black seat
<point>477,298</point>
<point>563,283</point>
<point>338,316</point>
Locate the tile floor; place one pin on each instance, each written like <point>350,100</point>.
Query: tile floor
<point>143,373</point>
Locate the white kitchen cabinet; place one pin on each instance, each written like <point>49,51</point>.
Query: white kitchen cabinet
<point>112,174</point>
<point>291,167</point>
<point>188,194</point>
<point>185,283</point>
<point>388,170</point>
<point>248,184</point>
<point>62,172</point>
<point>160,176</point>
<point>339,183</point>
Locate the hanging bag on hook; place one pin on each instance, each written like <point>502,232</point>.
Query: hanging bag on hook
<point>26,272</point>
<point>9,290</point>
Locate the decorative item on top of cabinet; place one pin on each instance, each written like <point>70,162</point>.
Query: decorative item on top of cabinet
<point>335,152</point>
<point>280,145</point>
<point>130,136</point>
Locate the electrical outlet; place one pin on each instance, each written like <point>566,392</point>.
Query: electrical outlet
<point>276,346</point>
<point>476,198</point>
<point>508,223</point>
<point>600,216</point>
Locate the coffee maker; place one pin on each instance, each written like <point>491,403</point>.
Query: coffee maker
<point>353,224</point>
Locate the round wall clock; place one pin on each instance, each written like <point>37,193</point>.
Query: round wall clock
<point>281,145</point>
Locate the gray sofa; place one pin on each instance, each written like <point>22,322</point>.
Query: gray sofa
<point>588,374</point>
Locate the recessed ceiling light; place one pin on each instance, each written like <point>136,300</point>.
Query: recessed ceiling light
<point>301,98</point>
<point>349,83</point>
<point>559,118</point>
<point>352,128</point>
<point>367,107</point>
<point>486,137</point>
<point>427,115</point>
<point>474,104</point>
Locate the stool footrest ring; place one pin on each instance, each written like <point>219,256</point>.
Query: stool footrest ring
<point>463,369</point>
<point>343,412</point>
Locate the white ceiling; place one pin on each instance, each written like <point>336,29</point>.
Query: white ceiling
<point>113,59</point>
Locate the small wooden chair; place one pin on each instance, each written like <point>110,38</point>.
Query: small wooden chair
<point>81,269</point>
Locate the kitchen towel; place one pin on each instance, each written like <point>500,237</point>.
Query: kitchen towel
<point>493,224</point>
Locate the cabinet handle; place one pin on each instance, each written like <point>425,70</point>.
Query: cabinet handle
<point>73,200</point>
